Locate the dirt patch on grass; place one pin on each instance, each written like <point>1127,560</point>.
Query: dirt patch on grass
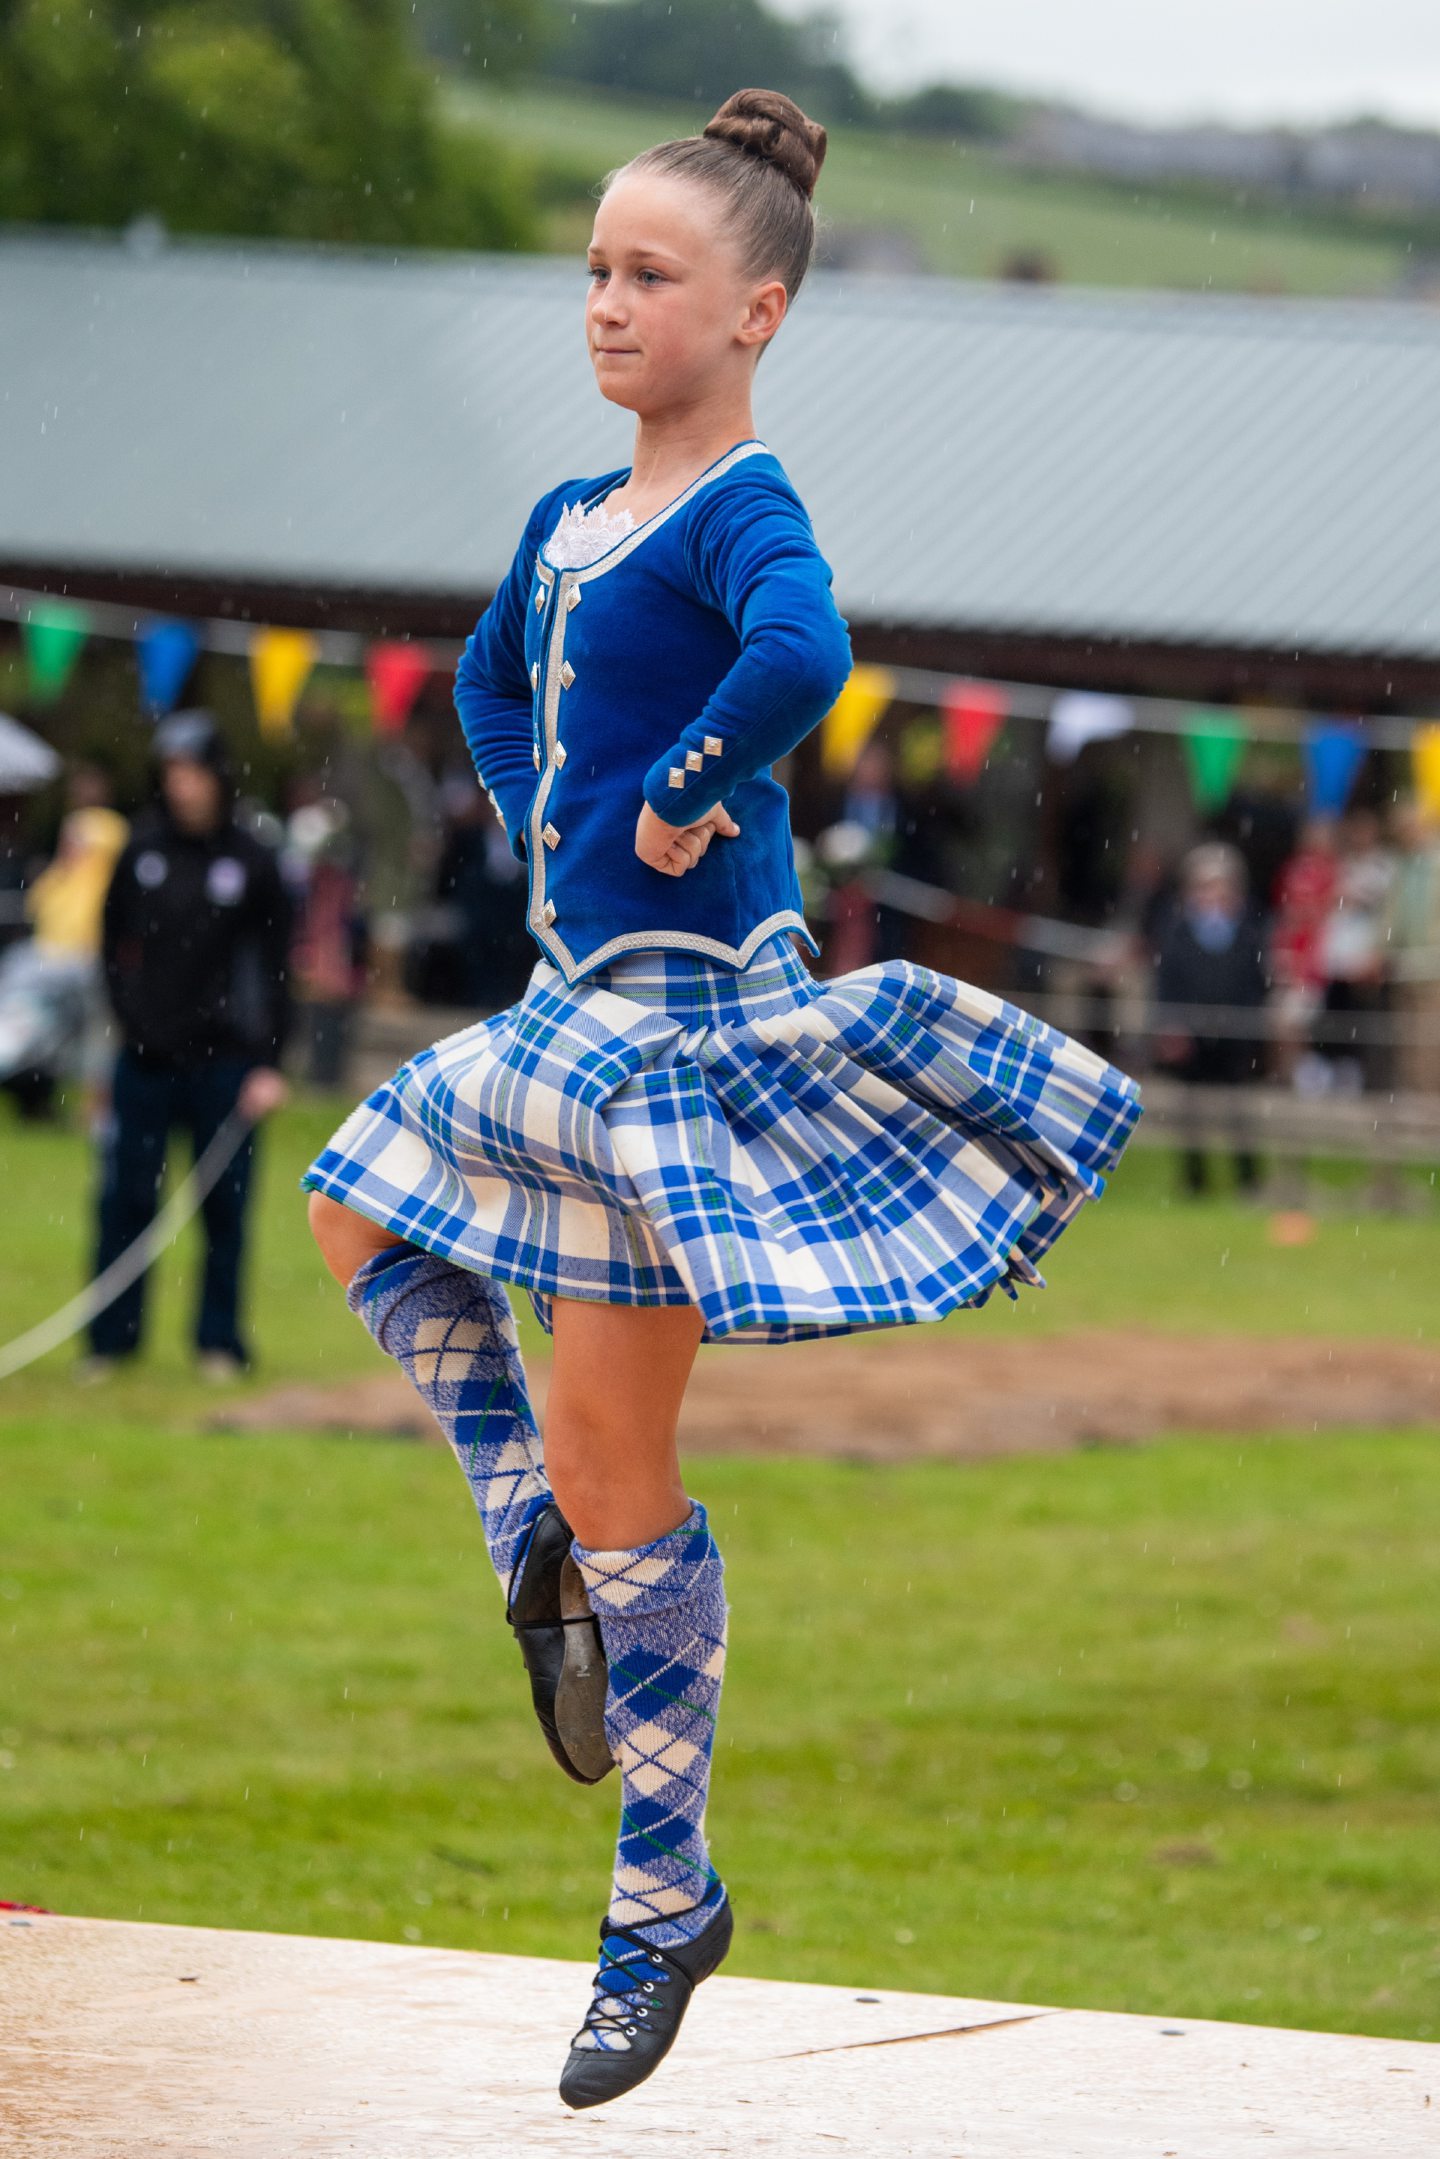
<point>911,1394</point>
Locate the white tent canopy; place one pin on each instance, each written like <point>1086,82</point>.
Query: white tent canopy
<point>25,761</point>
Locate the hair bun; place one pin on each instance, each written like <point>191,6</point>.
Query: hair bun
<point>768,125</point>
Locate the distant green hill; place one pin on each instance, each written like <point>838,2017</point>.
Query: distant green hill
<point>955,209</point>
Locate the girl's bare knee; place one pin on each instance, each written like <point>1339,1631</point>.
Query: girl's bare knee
<point>613,1489</point>
<point>575,1493</point>
<point>346,1239</point>
<point>326,1221</point>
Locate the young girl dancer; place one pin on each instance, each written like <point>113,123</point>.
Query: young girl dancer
<point>677,1135</point>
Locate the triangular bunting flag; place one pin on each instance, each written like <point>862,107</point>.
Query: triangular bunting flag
<point>851,720</point>
<point>52,638</point>
<point>280,664</point>
<point>1214,747</point>
<point>166,651</point>
<point>1334,753</point>
<point>1425,768</point>
<point>396,672</point>
<point>974,713</point>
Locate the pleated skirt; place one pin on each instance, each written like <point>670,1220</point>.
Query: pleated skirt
<point>795,1157</point>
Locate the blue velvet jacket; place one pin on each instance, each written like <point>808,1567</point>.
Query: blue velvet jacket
<point>674,669</point>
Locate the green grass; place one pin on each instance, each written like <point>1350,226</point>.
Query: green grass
<point>1143,1257</point>
<point>962,209</point>
<point>1144,1731</point>
<point>1140,1729</point>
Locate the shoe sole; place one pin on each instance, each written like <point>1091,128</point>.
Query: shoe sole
<point>584,1681</point>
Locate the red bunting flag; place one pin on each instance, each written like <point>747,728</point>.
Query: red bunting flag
<point>396,673</point>
<point>974,713</point>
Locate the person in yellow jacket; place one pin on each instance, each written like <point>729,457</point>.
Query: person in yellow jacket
<point>67,900</point>
<point>52,1006</point>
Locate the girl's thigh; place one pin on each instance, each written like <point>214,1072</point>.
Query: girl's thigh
<point>619,1377</point>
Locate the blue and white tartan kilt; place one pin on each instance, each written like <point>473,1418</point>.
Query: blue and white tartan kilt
<point>795,1157</point>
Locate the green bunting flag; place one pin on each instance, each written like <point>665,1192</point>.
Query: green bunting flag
<point>1214,746</point>
<point>52,638</point>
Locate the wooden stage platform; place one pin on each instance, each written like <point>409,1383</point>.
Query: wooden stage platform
<point>151,2042</point>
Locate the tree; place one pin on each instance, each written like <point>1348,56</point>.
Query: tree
<point>307,119</point>
<point>964,112</point>
<point>698,52</point>
<point>496,39</point>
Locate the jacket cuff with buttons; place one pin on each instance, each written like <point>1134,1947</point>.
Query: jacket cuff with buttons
<point>766,576</point>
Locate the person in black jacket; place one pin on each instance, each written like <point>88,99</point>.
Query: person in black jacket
<point>196,932</point>
<point>1211,952</point>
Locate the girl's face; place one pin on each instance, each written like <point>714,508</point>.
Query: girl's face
<point>670,319</point>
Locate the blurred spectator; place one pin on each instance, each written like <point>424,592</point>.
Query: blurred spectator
<point>1092,838</point>
<point>1354,957</point>
<point>1211,952</point>
<point>1414,933</point>
<point>862,931</point>
<point>870,798</point>
<point>196,932</point>
<point>52,1008</point>
<point>1259,818</point>
<point>66,902</point>
<point>13,865</point>
<point>331,947</point>
<point>88,787</point>
<point>472,946</point>
<point>1304,898</point>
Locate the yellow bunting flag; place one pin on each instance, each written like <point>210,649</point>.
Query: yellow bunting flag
<point>280,664</point>
<point>851,720</point>
<point>1425,758</point>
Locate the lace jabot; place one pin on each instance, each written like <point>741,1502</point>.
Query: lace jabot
<point>583,535</point>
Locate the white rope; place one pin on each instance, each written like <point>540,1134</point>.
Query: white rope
<point>183,1202</point>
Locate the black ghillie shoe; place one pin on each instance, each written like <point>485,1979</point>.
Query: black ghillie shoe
<point>549,1614</point>
<point>641,1996</point>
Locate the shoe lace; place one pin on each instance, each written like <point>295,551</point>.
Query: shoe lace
<point>629,1974</point>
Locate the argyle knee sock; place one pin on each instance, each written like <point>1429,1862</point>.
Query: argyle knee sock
<point>453,1336</point>
<point>661,1609</point>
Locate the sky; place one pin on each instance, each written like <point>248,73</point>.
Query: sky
<point>1236,60</point>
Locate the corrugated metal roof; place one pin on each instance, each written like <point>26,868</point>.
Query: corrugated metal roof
<point>1215,470</point>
